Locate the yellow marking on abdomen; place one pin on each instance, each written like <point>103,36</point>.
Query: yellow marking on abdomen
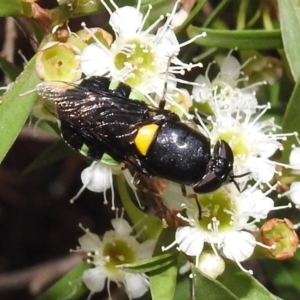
<point>145,137</point>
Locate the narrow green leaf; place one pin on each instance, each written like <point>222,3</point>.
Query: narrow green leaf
<point>15,107</point>
<point>244,286</point>
<point>10,8</point>
<point>68,287</point>
<point>210,289</point>
<point>163,281</point>
<point>291,120</point>
<point>57,151</point>
<point>243,39</point>
<point>289,17</point>
<point>151,264</point>
<point>9,69</point>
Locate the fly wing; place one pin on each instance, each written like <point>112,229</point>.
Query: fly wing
<point>103,120</point>
<point>76,103</point>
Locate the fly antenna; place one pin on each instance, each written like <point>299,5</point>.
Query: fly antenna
<point>232,179</point>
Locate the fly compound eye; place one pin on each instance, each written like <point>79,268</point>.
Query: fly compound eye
<point>223,150</point>
<point>219,169</point>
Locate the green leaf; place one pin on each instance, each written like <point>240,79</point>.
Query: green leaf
<point>68,287</point>
<point>291,120</point>
<point>151,264</point>
<point>243,39</point>
<point>284,276</point>
<point>11,8</point>
<point>289,17</point>
<point>148,224</point>
<point>163,281</point>
<point>183,288</point>
<point>15,107</point>
<point>10,70</point>
<point>57,151</point>
<point>210,289</point>
<point>244,286</point>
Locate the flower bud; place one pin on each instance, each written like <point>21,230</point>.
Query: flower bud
<point>211,264</point>
<point>264,68</point>
<point>281,236</point>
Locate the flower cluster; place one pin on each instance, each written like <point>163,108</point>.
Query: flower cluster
<point>143,60</point>
<point>225,220</point>
<point>228,219</point>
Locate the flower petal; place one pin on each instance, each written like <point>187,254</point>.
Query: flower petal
<point>146,249</point>
<point>94,60</point>
<point>295,158</point>
<point>121,227</point>
<point>203,92</point>
<point>262,169</point>
<point>167,42</point>
<point>126,21</point>
<point>294,193</point>
<point>266,147</point>
<point>136,285</point>
<point>255,204</point>
<point>94,279</point>
<point>190,240</point>
<point>239,245</point>
<point>90,242</point>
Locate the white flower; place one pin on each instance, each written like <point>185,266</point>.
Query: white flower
<point>116,248</point>
<point>224,91</point>
<point>226,223</point>
<point>137,57</point>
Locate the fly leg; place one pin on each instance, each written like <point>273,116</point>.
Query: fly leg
<point>192,196</point>
<point>144,185</point>
<point>151,189</point>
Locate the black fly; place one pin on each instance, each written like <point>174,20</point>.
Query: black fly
<point>152,141</point>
